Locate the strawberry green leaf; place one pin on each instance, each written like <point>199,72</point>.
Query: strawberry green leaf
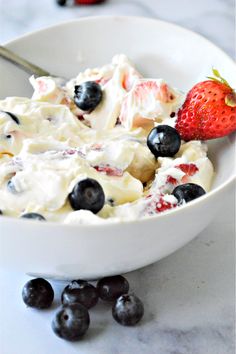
<point>212,78</point>
<point>218,78</point>
<point>224,82</point>
<point>216,73</point>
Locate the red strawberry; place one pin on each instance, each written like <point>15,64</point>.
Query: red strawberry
<point>143,94</point>
<point>209,110</point>
<point>148,87</point>
<point>109,171</point>
<point>79,2</point>
<point>87,2</point>
<point>171,180</point>
<point>188,168</point>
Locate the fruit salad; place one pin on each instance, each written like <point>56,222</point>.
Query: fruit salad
<point>108,145</point>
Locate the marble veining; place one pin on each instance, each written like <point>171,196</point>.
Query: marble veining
<point>189,296</point>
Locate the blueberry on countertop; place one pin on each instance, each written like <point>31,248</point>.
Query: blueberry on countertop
<point>88,95</point>
<point>128,310</point>
<point>38,293</point>
<point>88,195</point>
<point>61,2</point>
<point>110,288</point>
<point>187,192</point>
<point>80,291</point>
<point>34,216</point>
<point>71,322</point>
<point>163,141</point>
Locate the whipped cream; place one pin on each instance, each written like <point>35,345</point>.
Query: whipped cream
<point>53,144</point>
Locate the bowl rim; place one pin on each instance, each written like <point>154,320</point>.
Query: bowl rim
<point>118,18</point>
<point>229,181</point>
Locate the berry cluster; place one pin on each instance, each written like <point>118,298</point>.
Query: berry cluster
<point>78,2</point>
<point>72,319</point>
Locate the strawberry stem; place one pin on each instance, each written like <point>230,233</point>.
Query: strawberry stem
<point>217,77</point>
<point>230,98</point>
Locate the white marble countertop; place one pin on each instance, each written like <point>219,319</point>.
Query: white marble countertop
<point>189,296</point>
<point>213,19</point>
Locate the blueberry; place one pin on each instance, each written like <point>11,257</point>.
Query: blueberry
<point>61,2</point>
<point>34,216</point>
<point>110,288</point>
<point>128,310</point>
<point>38,293</point>
<point>80,291</point>
<point>163,141</point>
<point>88,95</point>
<point>71,322</point>
<point>87,194</point>
<point>187,192</point>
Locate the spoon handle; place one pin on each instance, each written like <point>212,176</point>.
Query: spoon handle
<point>22,63</point>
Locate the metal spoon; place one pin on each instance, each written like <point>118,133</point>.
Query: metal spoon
<point>22,63</point>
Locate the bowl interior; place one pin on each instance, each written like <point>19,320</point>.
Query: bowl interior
<point>158,49</point>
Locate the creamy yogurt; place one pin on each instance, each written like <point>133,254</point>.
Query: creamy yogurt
<point>52,145</point>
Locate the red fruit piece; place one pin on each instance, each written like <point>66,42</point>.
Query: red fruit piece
<point>96,147</point>
<point>125,82</point>
<point>69,152</point>
<point>188,168</point>
<point>102,81</point>
<point>209,110</point>
<point>171,180</point>
<point>149,87</point>
<point>129,78</point>
<point>110,171</point>
<point>143,94</point>
<point>157,204</point>
<point>42,86</point>
<point>162,205</point>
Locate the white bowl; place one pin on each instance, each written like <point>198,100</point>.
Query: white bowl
<point>160,50</point>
